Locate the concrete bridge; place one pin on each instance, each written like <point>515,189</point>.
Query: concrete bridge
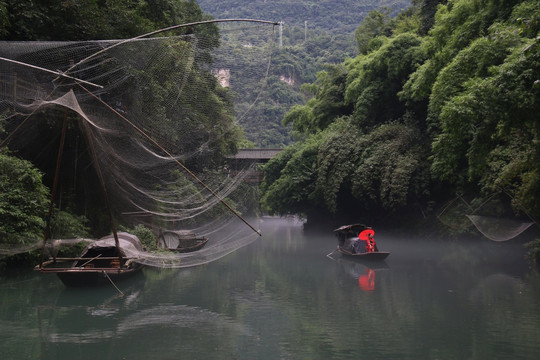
<point>257,155</point>
<point>246,157</point>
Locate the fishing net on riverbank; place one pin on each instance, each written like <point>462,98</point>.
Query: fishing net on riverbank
<point>224,235</point>
<point>499,229</point>
<point>151,120</point>
<point>493,217</point>
<point>224,238</point>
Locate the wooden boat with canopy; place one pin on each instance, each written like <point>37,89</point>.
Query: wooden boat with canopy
<point>108,259</point>
<point>356,241</point>
<point>100,262</point>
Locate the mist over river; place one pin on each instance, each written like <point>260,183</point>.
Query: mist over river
<point>282,297</point>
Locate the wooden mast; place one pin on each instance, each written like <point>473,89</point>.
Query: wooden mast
<point>53,191</point>
<point>55,185</point>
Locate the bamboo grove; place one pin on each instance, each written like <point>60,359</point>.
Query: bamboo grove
<point>441,100</point>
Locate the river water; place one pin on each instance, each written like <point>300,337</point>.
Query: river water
<point>283,298</point>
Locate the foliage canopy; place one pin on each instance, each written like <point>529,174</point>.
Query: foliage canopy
<point>421,113</point>
<point>23,200</point>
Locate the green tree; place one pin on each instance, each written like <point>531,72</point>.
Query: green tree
<point>328,103</point>
<point>457,24</point>
<point>91,19</point>
<point>385,169</point>
<point>474,61</point>
<point>427,10</point>
<point>289,187</point>
<point>491,128</point>
<point>374,80</point>
<point>23,201</point>
<point>376,24</point>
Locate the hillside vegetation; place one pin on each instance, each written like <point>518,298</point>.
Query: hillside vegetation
<point>342,16</point>
<point>423,114</point>
<point>315,33</point>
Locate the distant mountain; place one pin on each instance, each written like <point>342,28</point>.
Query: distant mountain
<point>326,38</point>
<point>336,15</point>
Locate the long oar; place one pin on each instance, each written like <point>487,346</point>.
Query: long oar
<point>330,255</point>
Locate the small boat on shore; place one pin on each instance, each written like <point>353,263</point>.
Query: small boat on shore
<point>101,262</point>
<point>356,241</point>
<point>181,241</point>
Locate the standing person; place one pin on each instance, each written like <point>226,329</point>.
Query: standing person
<point>366,237</point>
<point>371,245</point>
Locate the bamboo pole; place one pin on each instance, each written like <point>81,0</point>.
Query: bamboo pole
<point>53,192</point>
<point>58,73</point>
<point>174,27</point>
<point>172,158</point>
<point>92,259</point>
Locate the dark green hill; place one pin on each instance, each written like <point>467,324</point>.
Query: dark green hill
<point>315,33</point>
<point>336,15</point>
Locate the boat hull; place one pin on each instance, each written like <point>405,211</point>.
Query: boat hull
<point>371,256</point>
<point>74,277</point>
<point>196,245</point>
<point>101,262</point>
<point>181,241</point>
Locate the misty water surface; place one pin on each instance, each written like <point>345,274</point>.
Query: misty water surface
<point>283,298</point>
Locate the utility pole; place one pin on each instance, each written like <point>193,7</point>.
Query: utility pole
<point>281,34</point>
<point>305,30</point>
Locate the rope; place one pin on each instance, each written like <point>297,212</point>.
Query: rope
<point>113,284</point>
<point>521,206</point>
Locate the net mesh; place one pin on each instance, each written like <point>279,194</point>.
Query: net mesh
<point>498,229</point>
<point>492,217</point>
<point>154,115</point>
<point>452,214</point>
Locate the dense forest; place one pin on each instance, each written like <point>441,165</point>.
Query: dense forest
<point>315,33</point>
<point>441,102</point>
<point>340,16</point>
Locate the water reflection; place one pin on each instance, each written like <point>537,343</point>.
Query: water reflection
<point>367,281</point>
<point>364,272</point>
<point>282,298</point>
<point>105,323</point>
<point>497,286</point>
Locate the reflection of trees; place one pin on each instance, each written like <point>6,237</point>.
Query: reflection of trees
<point>408,312</point>
<point>276,300</point>
<point>18,329</point>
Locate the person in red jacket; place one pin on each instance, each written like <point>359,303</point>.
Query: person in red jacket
<point>371,246</point>
<point>366,237</point>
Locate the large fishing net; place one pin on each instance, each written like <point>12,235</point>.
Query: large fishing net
<point>491,216</point>
<point>499,229</point>
<point>151,118</point>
